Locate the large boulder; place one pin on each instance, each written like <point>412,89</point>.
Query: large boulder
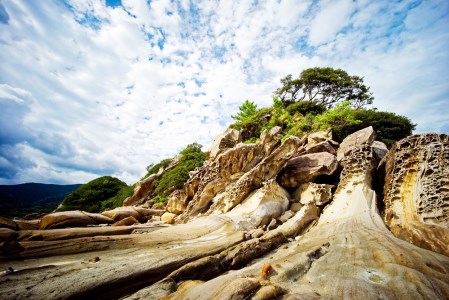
<point>416,192</point>
<point>140,214</point>
<point>261,206</point>
<point>227,139</point>
<point>66,219</point>
<point>319,137</point>
<point>354,140</point>
<point>168,218</point>
<point>306,168</point>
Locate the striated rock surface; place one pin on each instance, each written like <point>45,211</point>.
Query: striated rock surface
<point>267,169</point>
<point>416,193</point>
<point>306,168</point>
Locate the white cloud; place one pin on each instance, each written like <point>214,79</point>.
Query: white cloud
<point>94,90</point>
<point>331,18</point>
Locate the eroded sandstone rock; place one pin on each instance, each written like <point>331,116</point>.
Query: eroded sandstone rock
<point>264,204</point>
<point>227,139</point>
<point>319,194</point>
<point>267,169</point>
<point>354,140</point>
<point>305,168</point>
<point>126,221</point>
<point>139,213</point>
<point>416,192</point>
<point>328,262</point>
<point>168,218</point>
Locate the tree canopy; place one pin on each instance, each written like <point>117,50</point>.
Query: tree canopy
<point>326,86</point>
<point>247,109</point>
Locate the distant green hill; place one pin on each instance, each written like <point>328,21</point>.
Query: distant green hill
<point>21,199</point>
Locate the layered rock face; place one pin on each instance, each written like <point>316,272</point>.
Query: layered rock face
<point>258,221</point>
<point>417,191</point>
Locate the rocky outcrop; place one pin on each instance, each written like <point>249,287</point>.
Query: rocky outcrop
<point>226,140</point>
<point>145,187</point>
<point>417,191</point>
<point>226,173</point>
<point>267,169</point>
<point>243,236</point>
<point>306,168</point>
<point>349,254</point>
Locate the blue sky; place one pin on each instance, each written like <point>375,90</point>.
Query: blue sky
<point>91,88</point>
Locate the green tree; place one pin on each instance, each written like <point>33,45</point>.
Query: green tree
<point>326,86</point>
<point>247,110</point>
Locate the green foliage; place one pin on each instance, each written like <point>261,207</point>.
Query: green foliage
<point>326,86</point>
<point>253,126</point>
<point>247,110</point>
<point>389,127</point>
<point>154,168</point>
<point>306,107</point>
<point>341,115</point>
<point>172,179</point>
<point>89,196</point>
<point>117,200</point>
<point>192,148</point>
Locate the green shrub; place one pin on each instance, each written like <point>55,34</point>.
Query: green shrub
<point>117,200</point>
<point>88,197</point>
<point>172,179</point>
<point>252,127</point>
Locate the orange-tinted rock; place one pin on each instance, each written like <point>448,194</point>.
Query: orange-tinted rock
<point>416,192</point>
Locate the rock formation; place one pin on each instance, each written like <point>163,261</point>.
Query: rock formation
<point>417,191</point>
<point>251,223</point>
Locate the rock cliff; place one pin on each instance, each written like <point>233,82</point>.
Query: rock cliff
<point>269,220</point>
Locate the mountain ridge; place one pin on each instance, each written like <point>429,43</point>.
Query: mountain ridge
<point>18,200</point>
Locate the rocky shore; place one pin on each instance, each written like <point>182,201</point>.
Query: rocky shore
<point>304,219</point>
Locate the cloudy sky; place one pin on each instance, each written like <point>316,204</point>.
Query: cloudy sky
<point>91,88</point>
